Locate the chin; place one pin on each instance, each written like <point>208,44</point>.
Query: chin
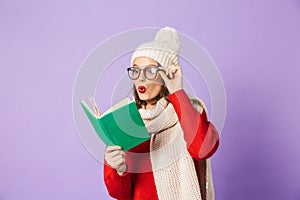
<point>144,97</point>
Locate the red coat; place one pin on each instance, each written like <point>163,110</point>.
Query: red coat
<point>202,141</point>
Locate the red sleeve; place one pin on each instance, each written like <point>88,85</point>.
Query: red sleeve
<point>201,136</point>
<point>117,186</point>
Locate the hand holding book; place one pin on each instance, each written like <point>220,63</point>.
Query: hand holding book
<point>116,158</point>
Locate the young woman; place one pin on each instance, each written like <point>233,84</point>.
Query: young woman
<point>174,162</point>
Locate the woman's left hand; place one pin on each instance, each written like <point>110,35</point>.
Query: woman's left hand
<point>172,75</point>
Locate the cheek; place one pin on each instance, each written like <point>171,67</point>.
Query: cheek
<point>155,88</point>
<point>158,82</point>
<point>135,83</point>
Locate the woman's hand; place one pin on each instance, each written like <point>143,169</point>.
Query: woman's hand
<point>172,75</point>
<point>115,157</point>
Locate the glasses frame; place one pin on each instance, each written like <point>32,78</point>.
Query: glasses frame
<point>144,72</point>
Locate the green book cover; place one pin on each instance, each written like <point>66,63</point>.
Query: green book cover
<point>121,126</point>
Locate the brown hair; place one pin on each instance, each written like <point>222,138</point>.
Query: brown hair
<point>164,93</point>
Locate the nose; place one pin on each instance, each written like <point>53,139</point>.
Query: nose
<point>142,77</point>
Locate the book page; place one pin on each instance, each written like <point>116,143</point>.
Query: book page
<point>87,107</point>
<point>118,105</point>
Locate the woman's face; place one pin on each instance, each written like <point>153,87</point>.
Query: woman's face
<point>147,89</point>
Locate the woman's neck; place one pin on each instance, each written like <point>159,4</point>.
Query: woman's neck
<point>151,103</point>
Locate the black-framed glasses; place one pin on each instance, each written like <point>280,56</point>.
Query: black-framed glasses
<point>150,72</point>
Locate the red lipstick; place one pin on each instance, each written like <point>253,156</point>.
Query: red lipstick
<point>142,89</point>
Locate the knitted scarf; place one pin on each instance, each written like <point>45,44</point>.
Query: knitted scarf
<point>173,167</point>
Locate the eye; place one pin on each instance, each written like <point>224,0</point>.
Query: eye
<point>134,71</point>
<point>152,69</point>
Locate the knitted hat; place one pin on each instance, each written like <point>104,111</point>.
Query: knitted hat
<point>164,48</point>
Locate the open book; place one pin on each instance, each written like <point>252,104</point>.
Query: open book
<point>120,125</point>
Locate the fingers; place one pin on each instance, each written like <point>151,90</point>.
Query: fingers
<point>113,153</point>
<point>163,75</point>
<point>119,163</point>
<point>172,71</point>
<point>112,148</point>
<point>116,157</point>
<point>172,76</point>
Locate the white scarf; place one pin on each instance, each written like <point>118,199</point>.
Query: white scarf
<point>173,167</point>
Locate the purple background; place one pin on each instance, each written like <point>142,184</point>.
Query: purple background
<point>256,45</point>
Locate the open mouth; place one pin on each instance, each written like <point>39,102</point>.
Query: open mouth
<point>142,89</point>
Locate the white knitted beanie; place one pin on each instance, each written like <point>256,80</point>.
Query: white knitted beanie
<point>164,48</point>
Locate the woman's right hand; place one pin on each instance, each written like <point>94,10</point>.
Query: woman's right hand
<point>172,76</point>
<point>115,157</point>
